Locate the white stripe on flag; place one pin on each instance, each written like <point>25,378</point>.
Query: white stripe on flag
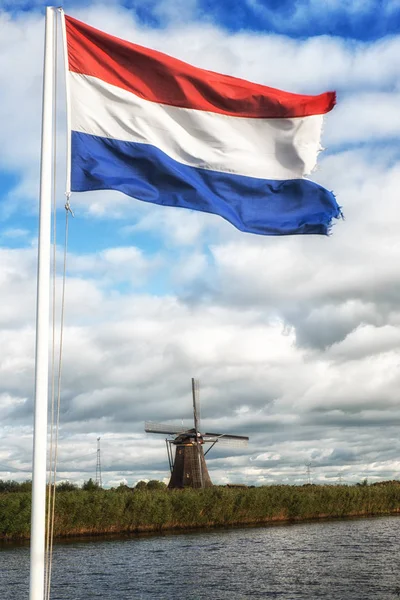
<point>262,148</point>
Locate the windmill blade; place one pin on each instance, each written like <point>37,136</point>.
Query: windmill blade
<point>229,436</point>
<point>196,416</point>
<point>196,403</point>
<point>226,439</point>
<point>152,427</point>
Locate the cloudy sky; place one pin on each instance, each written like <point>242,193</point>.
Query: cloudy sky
<point>295,340</point>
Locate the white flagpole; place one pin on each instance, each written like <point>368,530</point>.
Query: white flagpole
<point>36,585</point>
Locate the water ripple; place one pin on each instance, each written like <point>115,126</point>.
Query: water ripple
<point>341,560</point>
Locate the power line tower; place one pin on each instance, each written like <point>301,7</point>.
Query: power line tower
<point>308,465</point>
<point>98,465</point>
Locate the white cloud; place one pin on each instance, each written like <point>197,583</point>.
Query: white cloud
<point>364,117</point>
<point>114,265</point>
<point>368,340</point>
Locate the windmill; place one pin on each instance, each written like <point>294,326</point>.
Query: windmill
<point>188,466</point>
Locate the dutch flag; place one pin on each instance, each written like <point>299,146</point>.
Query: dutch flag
<point>165,132</point>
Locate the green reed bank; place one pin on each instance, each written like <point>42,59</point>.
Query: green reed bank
<point>94,511</point>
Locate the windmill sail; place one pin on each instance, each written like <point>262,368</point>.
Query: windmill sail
<point>151,427</point>
<point>236,441</point>
<point>200,456</point>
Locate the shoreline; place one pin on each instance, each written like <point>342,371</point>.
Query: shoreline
<point>128,511</point>
<point>151,530</point>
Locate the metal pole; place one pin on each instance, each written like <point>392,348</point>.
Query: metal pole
<point>37,552</point>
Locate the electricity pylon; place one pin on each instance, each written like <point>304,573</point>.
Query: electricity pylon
<point>98,465</point>
<point>308,465</point>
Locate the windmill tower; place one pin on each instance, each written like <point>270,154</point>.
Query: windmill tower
<point>188,466</point>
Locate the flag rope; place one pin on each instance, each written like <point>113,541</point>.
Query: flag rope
<point>56,424</point>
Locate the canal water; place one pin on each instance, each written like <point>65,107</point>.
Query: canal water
<point>336,560</point>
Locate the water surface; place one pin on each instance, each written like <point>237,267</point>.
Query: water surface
<point>336,560</point>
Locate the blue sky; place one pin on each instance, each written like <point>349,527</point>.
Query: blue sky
<point>296,341</point>
<point>353,19</point>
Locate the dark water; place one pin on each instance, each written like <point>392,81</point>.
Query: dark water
<point>336,560</point>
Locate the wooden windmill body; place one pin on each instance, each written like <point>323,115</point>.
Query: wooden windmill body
<point>187,464</point>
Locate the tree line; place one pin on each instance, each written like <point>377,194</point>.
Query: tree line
<point>11,486</point>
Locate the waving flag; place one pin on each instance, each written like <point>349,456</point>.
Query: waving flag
<point>165,132</point>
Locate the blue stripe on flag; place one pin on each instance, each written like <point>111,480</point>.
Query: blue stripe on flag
<point>266,207</point>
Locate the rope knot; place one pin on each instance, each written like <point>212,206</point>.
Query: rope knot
<point>68,206</point>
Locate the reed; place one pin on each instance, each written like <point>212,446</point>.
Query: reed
<point>123,510</point>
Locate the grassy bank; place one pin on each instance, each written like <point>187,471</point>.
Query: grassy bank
<point>88,512</point>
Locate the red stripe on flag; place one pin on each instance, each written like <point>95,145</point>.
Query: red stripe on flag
<point>161,78</point>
